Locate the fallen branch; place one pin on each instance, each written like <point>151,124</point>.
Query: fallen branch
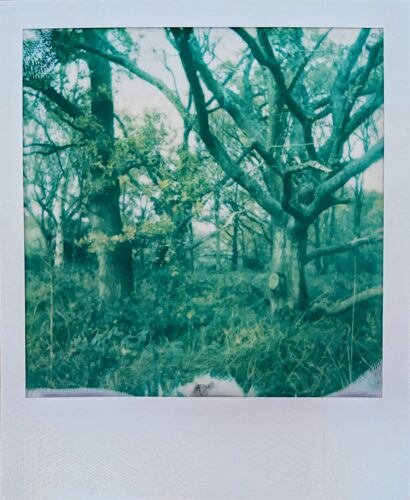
<point>351,245</point>
<point>344,305</point>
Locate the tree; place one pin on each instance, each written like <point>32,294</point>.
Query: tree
<point>292,121</point>
<point>293,206</point>
<point>115,276</point>
<point>253,194</point>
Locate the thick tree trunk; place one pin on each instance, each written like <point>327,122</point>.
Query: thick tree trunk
<point>115,276</point>
<point>115,273</point>
<point>287,282</point>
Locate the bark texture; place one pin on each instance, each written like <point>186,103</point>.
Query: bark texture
<point>115,276</point>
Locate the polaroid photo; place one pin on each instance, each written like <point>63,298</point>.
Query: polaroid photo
<point>204,272</point>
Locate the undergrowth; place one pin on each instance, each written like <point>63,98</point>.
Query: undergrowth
<point>176,327</point>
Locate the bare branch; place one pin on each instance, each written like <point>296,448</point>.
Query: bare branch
<point>344,305</point>
<point>333,183</point>
<point>215,147</point>
<point>116,57</point>
<point>272,64</point>
<point>307,59</point>
<point>48,149</point>
<point>231,103</point>
<point>67,106</point>
<point>345,247</point>
<point>364,112</point>
<point>171,72</point>
<point>352,56</point>
<point>341,103</point>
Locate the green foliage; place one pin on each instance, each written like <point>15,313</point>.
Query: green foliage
<point>177,326</point>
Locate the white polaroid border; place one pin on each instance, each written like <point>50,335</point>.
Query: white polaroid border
<point>256,448</point>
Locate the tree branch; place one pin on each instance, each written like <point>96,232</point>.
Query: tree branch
<point>216,148</point>
<point>364,112</point>
<point>352,57</point>
<point>340,103</point>
<point>361,75</point>
<point>272,64</point>
<point>344,305</point>
<point>48,149</point>
<point>351,245</point>
<point>68,107</point>
<point>232,104</point>
<point>116,57</point>
<point>307,59</point>
<point>333,183</point>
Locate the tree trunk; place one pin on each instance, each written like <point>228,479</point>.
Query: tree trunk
<point>180,234</point>
<point>59,217</point>
<point>235,252</point>
<point>287,282</point>
<point>115,273</point>
<point>358,208</point>
<point>318,244</point>
<point>243,249</point>
<point>218,228</point>
<point>178,246</point>
<point>329,236</point>
<point>191,243</point>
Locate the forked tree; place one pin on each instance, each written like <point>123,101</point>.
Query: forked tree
<point>296,100</point>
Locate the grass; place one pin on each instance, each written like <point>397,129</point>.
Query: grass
<point>176,327</point>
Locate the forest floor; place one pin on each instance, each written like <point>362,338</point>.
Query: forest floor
<point>178,326</point>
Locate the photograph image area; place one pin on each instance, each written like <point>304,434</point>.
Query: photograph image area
<point>203,211</point>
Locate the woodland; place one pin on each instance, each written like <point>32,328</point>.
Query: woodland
<point>203,201</point>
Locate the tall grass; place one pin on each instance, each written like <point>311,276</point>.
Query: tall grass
<point>176,327</point>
